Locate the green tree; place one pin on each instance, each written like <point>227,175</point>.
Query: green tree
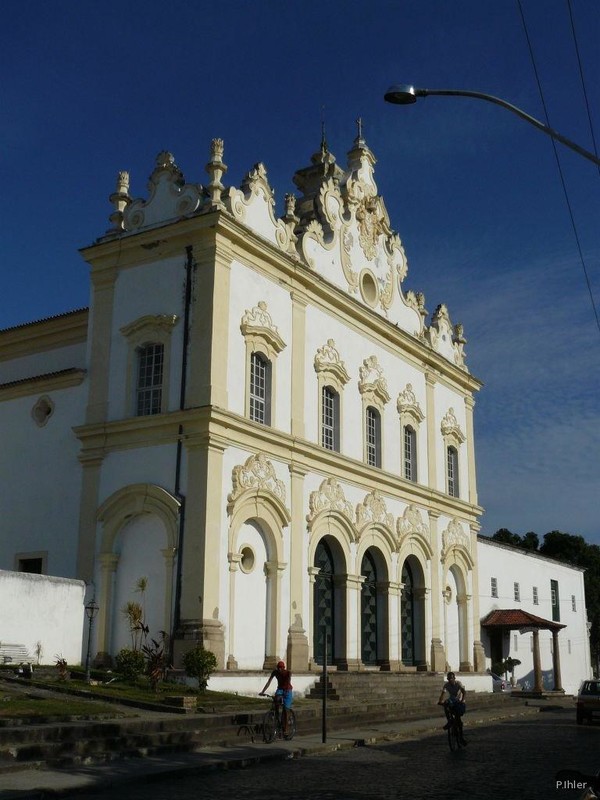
<point>507,537</point>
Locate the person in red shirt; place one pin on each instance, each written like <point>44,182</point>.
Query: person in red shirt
<point>284,689</point>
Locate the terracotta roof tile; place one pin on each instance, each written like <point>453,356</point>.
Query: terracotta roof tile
<point>516,618</point>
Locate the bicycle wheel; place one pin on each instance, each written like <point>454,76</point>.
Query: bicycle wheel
<point>291,725</point>
<point>269,726</point>
<point>453,736</point>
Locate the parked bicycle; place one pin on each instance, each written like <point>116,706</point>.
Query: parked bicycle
<point>273,721</point>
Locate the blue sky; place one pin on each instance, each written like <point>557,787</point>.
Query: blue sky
<point>91,88</point>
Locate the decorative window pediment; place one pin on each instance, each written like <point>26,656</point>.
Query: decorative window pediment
<point>408,406</point>
<point>372,385</point>
<point>257,325</point>
<point>373,509</point>
<point>329,364</point>
<point>451,429</point>
<point>256,473</point>
<point>329,497</point>
<point>150,326</point>
<point>455,536</point>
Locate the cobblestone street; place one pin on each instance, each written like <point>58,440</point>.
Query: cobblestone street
<point>506,760</point>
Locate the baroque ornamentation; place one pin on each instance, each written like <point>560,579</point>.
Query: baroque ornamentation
<point>258,321</point>
<point>408,404</point>
<point>328,359</point>
<point>329,497</point>
<point>373,509</point>
<point>256,473</point>
<point>370,226</point>
<point>412,522</point>
<point>455,536</point>
<point>372,380</point>
<point>450,426</point>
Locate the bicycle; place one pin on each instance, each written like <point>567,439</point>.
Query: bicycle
<point>273,721</point>
<point>454,728</point>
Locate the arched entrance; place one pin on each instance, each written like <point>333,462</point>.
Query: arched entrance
<point>412,613</point>
<point>329,606</point>
<point>368,610</point>
<point>251,609</point>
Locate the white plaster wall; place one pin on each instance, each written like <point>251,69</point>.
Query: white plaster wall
<point>43,362</point>
<point>509,565</point>
<point>153,288</point>
<point>247,289</point>
<point>122,468</point>
<point>250,641</point>
<point>40,608</point>
<point>139,545</point>
<point>39,503</point>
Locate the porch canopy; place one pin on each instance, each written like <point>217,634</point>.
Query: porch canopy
<point>509,619</point>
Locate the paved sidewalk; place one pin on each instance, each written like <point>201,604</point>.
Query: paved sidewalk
<point>55,782</point>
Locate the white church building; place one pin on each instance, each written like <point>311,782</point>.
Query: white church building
<point>254,415</point>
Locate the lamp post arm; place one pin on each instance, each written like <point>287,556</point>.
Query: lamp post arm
<point>515,110</point>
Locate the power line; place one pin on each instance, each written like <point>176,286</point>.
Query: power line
<point>560,172</point>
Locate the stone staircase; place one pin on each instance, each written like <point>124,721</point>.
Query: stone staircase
<point>354,699</point>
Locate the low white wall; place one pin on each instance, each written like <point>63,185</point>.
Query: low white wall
<point>41,608</point>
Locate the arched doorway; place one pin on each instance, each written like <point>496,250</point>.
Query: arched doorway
<point>329,602</point>
<point>368,610</point>
<point>251,600</point>
<point>412,613</point>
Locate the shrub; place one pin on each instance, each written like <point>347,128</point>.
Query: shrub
<point>200,663</point>
<point>129,663</point>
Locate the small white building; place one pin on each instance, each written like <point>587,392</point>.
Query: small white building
<point>255,416</point>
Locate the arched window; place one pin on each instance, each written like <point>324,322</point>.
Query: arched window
<point>410,453</point>
<point>330,415</point>
<point>452,464</point>
<point>373,436</point>
<point>260,389</point>
<point>150,379</point>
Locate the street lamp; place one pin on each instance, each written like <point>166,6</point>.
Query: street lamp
<point>91,609</point>
<point>404,94</point>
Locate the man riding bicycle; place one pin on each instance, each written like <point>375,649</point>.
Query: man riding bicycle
<point>455,704</point>
<point>284,690</point>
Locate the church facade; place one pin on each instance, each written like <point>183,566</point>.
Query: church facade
<point>256,417</point>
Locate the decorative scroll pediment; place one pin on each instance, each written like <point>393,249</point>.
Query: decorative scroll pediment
<point>170,196</point>
<point>256,473</point>
<point>373,509</point>
<point>258,322</point>
<point>371,380</point>
<point>150,322</point>
<point>450,427</point>
<point>455,536</point>
<point>445,338</point>
<point>411,522</point>
<point>329,497</point>
<point>408,405</point>
<point>327,360</point>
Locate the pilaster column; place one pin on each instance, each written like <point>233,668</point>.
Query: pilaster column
<point>556,663</point>
<point>297,642</point>
<point>312,574</point>
<point>350,585</point>
<point>298,363</point>
<point>103,292</point>
<point>234,560</point>
<point>169,557</point>
<point>108,566</point>
<point>430,382</point>
<point>91,464</point>
<point>464,632</point>
<point>273,572</point>
<point>438,631</point>
<point>394,618</point>
<point>469,406</point>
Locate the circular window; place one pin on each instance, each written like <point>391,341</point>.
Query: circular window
<point>247,562</point>
<point>368,288</point>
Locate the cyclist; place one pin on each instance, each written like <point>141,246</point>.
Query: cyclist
<point>284,690</point>
<point>455,704</point>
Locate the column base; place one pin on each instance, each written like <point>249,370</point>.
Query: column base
<point>465,666</point>
<point>438,656</point>
<point>478,657</point>
<point>209,633</point>
<point>231,663</point>
<point>348,664</point>
<point>297,649</point>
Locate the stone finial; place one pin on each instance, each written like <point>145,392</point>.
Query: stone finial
<point>120,198</point>
<point>216,169</point>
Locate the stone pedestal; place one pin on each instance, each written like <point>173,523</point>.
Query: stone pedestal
<point>478,657</point>
<point>207,632</point>
<point>438,656</point>
<point>297,648</point>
